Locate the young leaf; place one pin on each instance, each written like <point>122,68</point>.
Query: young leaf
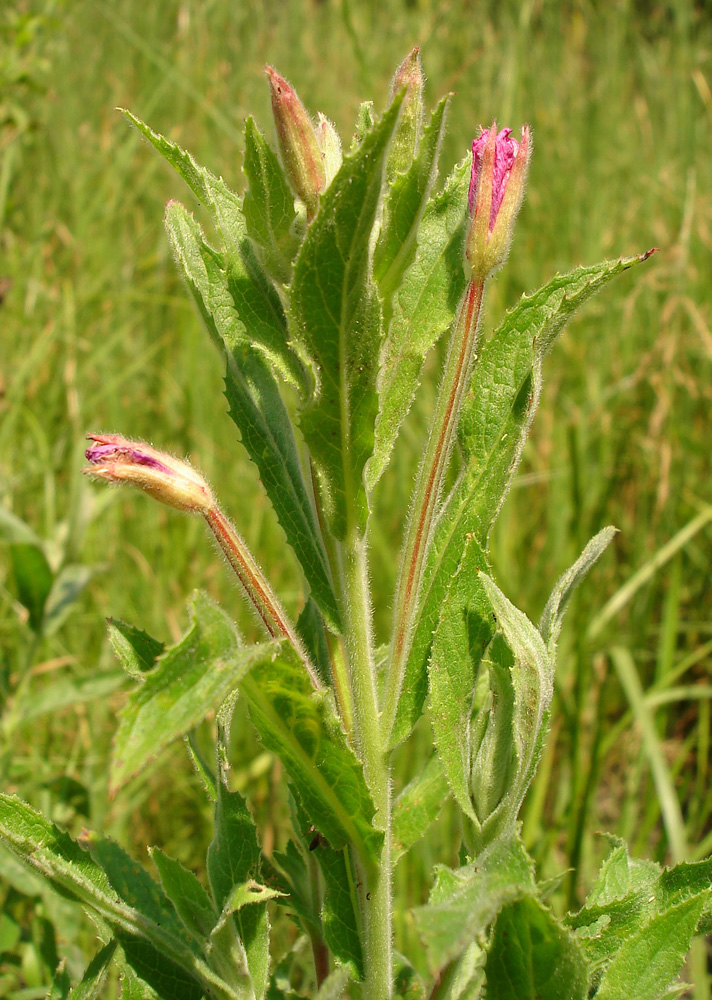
<point>404,206</point>
<point>533,956</point>
<point>191,901</point>
<point>190,680</point>
<point>268,205</point>
<point>648,961</point>
<point>494,425</point>
<point>337,314</point>
<point>93,979</point>
<point>421,310</point>
<point>465,901</point>
<point>136,649</point>
<point>533,684</point>
<point>256,405</point>
<point>418,806</point>
<point>553,614</point>
<point>461,638</point>
<point>300,725</point>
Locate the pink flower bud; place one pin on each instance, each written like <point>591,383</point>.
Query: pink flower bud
<point>298,142</point>
<point>169,480</point>
<point>499,168</point>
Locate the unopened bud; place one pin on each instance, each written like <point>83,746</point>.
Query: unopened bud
<point>499,169</point>
<point>330,145</point>
<point>298,142</point>
<point>169,480</point>
<point>493,754</point>
<point>406,137</point>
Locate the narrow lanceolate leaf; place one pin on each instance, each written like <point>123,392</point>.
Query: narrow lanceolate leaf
<point>404,206</point>
<point>421,310</point>
<point>256,405</point>
<point>465,901</point>
<point>553,615</point>
<point>464,631</point>
<point>160,956</point>
<point>268,205</point>
<point>494,425</point>
<point>648,961</point>
<point>93,979</point>
<point>337,314</point>
<point>532,956</point>
<point>190,680</point>
<point>300,725</point>
<point>418,806</point>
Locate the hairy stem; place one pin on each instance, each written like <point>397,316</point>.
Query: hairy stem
<point>374,880</point>
<point>427,492</point>
<point>253,580</point>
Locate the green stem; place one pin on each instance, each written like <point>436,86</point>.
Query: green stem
<point>375,880</point>
<point>461,354</point>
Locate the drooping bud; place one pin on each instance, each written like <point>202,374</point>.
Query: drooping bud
<point>499,169</point>
<point>165,478</point>
<point>298,142</point>
<point>330,145</point>
<point>404,144</point>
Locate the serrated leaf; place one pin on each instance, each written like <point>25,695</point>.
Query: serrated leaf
<point>135,887</point>
<point>337,314</point>
<point>61,984</point>
<point>186,893</point>
<point>648,961</point>
<point>157,955</point>
<point>404,204</point>
<point>494,425</point>
<point>181,161</point>
<point>553,614</point>
<point>421,310</point>
<point>533,684</point>
<point>256,406</point>
<point>418,806</point>
<point>190,680</point>
<point>237,300</point>
<point>301,726</point>
<point>465,901</point>
<point>233,861</point>
<point>93,978</point>
<point>339,912</point>
<point>268,205</point>
<point>234,854</point>
<point>134,988</point>
<point>461,638</point>
<point>33,580</point>
<point>136,649</point>
<point>533,956</point>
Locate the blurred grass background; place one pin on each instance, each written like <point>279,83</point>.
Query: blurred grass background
<point>96,333</point>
